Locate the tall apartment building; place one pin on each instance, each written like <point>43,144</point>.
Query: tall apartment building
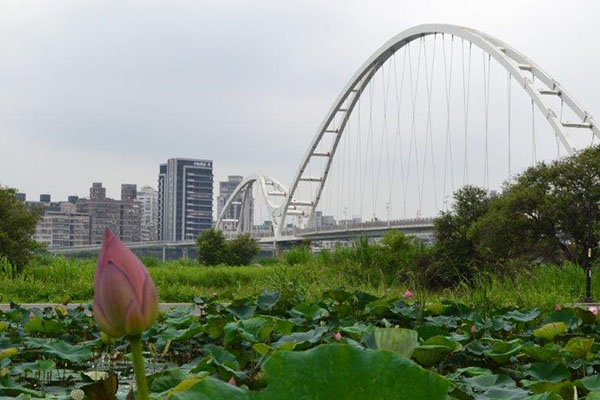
<point>148,197</point>
<point>61,225</point>
<point>123,217</point>
<point>130,225</point>
<point>232,214</point>
<point>185,198</point>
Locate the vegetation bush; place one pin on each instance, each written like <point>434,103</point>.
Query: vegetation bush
<point>17,226</point>
<point>212,247</point>
<point>297,255</point>
<point>242,250</point>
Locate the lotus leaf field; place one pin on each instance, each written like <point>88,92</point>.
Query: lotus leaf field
<point>348,345</point>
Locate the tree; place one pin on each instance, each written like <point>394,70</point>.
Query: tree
<point>547,212</point>
<point>399,249</point>
<point>454,252</point>
<point>212,247</point>
<point>242,250</point>
<point>17,226</point>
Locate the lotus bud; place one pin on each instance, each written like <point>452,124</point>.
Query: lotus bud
<point>557,307</point>
<point>125,298</point>
<point>232,381</point>
<point>593,309</point>
<point>473,329</point>
<point>408,294</point>
<point>338,337</point>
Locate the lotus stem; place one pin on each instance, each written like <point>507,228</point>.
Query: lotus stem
<point>138,367</point>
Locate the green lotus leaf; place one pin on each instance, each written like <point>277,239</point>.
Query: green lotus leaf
<point>579,346</point>
<point>336,371</point>
<point>564,389</point>
<point>301,340</point>
<point>550,330</point>
<point>522,316</point>
<point>378,308</point>
<point>435,308</point>
<point>241,309</point>
<point>591,383</point>
<point>567,315</point>
<point>58,348</point>
<point>42,325</point>
<point>397,340</point>
<point>9,352</point>
<point>482,383</point>
<point>309,311</point>
<point>268,299</point>
<point>549,372</point>
<point>548,352</point>
<point>434,350</point>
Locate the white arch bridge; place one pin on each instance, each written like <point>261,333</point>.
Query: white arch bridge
<point>435,108</point>
<point>417,120</point>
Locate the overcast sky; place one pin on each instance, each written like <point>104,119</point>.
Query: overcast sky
<point>107,90</point>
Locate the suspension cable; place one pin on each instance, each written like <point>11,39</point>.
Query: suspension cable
<point>509,97</point>
<point>398,136</point>
<point>466,98</point>
<point>533,146</point>
<point>486,94</point>
<point>428,129</point>
<point>448,88</point>
<point>413,123</point>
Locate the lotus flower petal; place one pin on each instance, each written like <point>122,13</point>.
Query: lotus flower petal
<point>125,298</point>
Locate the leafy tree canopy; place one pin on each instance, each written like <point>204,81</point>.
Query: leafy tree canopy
<point>17,226</point>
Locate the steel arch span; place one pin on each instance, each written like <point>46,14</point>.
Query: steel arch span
<point>521,69</point>
<point>269,188</point>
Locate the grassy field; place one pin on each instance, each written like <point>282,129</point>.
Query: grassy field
<point>51,279</point>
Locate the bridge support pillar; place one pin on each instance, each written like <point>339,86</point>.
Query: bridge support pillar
<point>277,248</point>
<point>164,253</point>
<point>185,253</point>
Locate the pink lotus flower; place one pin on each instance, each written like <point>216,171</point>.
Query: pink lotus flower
<point>337,336</point>
<point>408,294</point>
<point>557,307</point>
<point>125,298</point>
<point>473,329</point>
<point>231,381</point>
<point>593,309</point>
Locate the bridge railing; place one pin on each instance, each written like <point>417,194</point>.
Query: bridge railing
<point>357,226</point>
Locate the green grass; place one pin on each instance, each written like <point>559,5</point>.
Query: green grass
<point>52,279</point>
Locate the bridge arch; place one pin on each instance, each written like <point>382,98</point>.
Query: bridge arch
<point>269,188</point>
<point>520,68</point>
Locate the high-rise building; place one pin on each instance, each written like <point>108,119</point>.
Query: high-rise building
<point>128,192</point>
<point>185,198</point>
<point>123,217</point>
<point>148,197</point>
<point>104,213</point>
<point>130,227</point>
<point>232,214</point>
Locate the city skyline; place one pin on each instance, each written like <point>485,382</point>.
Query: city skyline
<point>123,103</point>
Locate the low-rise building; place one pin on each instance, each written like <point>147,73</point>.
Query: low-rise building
<point>62,226</point>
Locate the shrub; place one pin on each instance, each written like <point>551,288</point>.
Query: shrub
<point>150,261</point>
<point>212,247</point>
<point>242,250</point>
<point>297,255</point>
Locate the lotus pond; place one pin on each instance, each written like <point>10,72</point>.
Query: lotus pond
<point>348,345</point>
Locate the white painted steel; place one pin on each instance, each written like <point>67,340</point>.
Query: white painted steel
<point>269,188</point>
<point>518,65</point>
